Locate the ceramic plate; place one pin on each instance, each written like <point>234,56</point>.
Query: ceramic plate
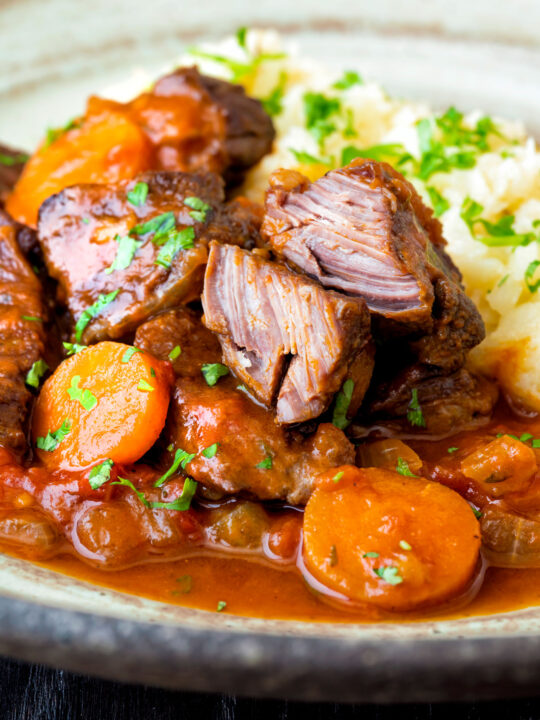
<point>474,55</point>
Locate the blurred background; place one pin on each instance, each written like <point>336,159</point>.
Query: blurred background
<point>473,53</point>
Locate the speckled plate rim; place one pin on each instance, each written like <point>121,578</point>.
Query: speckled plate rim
<point>122,638</point>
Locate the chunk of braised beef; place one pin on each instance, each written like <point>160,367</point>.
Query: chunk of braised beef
<point>292,342</point>
<point>243,130</point>
<point>364,230</point>
<point>415,401</point>
<point>26,237</point>
<point>98,244</point>
<point>179,336</point>
<point>11,166</point>
<point>254,456</point>
<point>21,338</point>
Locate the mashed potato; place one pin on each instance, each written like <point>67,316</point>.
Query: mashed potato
<point>481,175</point>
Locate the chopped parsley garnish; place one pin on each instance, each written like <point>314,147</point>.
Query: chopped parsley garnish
<point>152,372</point>
<point>100,474</point>
<point>199,209</point>
<point>160,225</point>
<point>343,400</point>
<point>403,468</point>
<point>36,372</point>
<point>213,371</point>
<point>477,512</point>
<point>54,133</point>
<point>10,160</point>
<point>439,203</point>
<point>175,352</point>
<point>145,386</point>
<point>181,240</point>
<point>181,459</point>
<point>452,450</point>
<point>348,79</point>
<point>241,35</point>
<point>237,68</point>
<point>85,220</point>
<point>404,545</point>
<point>138,195</point>
<point>86,398</point>
<point>31,318</point>
<point>307,159</point>
<point>503,280</point>
<point>337,477</point>
<point>53,439</point>
<point>529,275</point>
<point>210,451</point>
<point>318,109</point>
<point>333,556</point>
<point>414,414</point>
<point>186,583</point>
<point>91,312</point>
<point>497,234</point>
<point>73,348</point>
<point>349,130</point>
<point>389,574</point>
<point>182,503</point>
<point>265,464</point>
<point>371,555</point>
<point>387,152</point>
<point>221,606</point>
<point>130,352</point>
<point>272,103</point>
<point>127,247</point>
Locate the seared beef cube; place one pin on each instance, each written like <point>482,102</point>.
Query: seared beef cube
<point>180,337</point>
<point>26,236</point>
<point>21,338</point>
<point>254,455</point>
<point>11,166</point>
<point>292,342</point>
<point>414,401</point>
<point>364,230</point>
<point>130,259</point>
<point>228,132</point>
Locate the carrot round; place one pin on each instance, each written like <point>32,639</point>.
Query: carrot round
<point>106,402</point>
<point>392,541</point>
<point>104,148</point>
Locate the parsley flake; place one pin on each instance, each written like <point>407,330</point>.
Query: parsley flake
<point>343,400</point>
<point>213,371</point>
<point>181,240</point>
<point>403,468</point>
<point>404,545</point>
<point>347,80</point>
<point>92,311</point>
<point>307,159</point>
<point>389,574</point>
<point>210,451</point>
<point>86,398</point>
<point>265,464</point>
<point>496,234</point>
<point>452,450</point>
<point>10,160</point>
<point>53,439</point>
<point>199,209</point>
<point>159,226</point>
<point>371,555</point>
<point>273,103</point>
<point>100,474</point>
<point>31,318</point>
<point>181,458</point>
<point>127,247</point>
<point>221,606</point>
<point>337,477</point>
<point>145,386</point>
<point>137,196</point>
<point>414,414</point>
<point>54,133</point>
<point>73,348</point>
<point>175,352</point>
<point>182,503</point>
<point>439,203</point>
<point>529,275</point>
<point>130,352</point>
<point>318,109</point>
<point>36,372</point>
<point>394,153</point>
<point>186,583</point>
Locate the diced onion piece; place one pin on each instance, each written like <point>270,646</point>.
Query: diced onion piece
<point>386,454</point>
<point>509,539</point>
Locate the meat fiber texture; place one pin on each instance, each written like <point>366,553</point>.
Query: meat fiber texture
<point>80,230</point>
<point>292,342</point>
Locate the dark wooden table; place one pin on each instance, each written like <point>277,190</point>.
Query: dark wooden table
<point>32,692</point>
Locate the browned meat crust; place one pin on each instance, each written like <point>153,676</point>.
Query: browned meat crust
<point>228,133</point>
<point>200,415</point>
<point>181,328</point>
<point>21,338</point>
<point>447,403</point>
<point>288,339</point>
<point>79,232</point>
